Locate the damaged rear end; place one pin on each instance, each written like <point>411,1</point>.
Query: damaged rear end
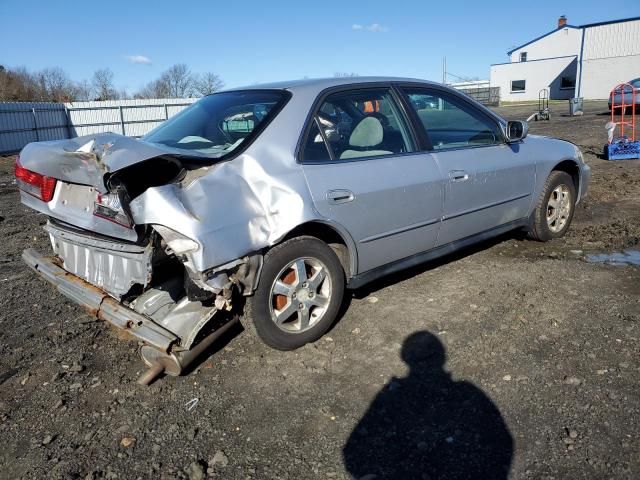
<point>138,238</point>
<point>134,275</point>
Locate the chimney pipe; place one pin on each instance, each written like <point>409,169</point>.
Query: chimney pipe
<point>562,21</point>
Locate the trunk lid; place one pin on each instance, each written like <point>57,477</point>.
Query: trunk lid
<point>81,167</point>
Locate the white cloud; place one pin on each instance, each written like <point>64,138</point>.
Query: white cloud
<point>374,27</point>
<point>140,59</point>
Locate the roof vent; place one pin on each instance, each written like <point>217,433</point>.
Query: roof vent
<point>562,21</point>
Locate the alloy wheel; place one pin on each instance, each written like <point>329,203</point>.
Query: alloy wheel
<point>300,295</point>
<point>559,208</point>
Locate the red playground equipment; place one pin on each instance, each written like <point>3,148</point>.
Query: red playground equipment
<point>623,117</point>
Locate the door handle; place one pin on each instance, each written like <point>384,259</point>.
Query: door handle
<point>340,196</point>
<point>458,176</point>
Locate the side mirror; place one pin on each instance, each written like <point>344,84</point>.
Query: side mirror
<point>517,130</point>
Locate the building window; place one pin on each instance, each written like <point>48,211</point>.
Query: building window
<point>518,86</point>
<point>568,83</point>
<point>523,56</point>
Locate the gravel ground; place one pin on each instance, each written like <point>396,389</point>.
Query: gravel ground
<point>513,359</point>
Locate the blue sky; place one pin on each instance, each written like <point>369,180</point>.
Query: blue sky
<point>249,41</point>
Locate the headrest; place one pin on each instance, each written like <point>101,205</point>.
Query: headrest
<point>368,133</point>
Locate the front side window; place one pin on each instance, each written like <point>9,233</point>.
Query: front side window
<point>218,124</point>
<point>450,123</point>
<point>518,86</point>
<point>357,124</point>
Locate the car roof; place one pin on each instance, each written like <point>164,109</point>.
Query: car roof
<point>320,84</point>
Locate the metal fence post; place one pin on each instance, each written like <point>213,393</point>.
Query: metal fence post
<point>68,117</point>
<point>166,112</point>
<point>121,119</point>
<point>35,124</point>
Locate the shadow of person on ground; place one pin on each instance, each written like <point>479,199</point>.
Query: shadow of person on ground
<point>428,426</point>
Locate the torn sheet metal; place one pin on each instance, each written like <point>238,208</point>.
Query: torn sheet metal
<point>100,304</point>
<point>182,317</point>
<point>230,208</point>
<point>235,209</point>
<point>186,319</point>
<point>112,266</point>
<point>86,160</point>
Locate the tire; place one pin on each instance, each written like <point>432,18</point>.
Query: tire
<point>303,270</point>
<point>553,213</point>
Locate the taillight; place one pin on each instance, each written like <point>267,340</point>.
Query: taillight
<point>33,183</point>
<point>109,207</point>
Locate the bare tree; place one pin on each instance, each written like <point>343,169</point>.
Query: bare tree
<point>207,83</point>
<point>84,91</point>
<point>54,85</point>
<point>155,89</point>
<point>17,85</point>
<point>179,81</point>
<point>48,85</point>
<point>102,82</point>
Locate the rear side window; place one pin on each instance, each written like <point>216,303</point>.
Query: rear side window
<point>357,124</point>
<point>218,124</point>
<point>451,123</point>
<point>315,149</point>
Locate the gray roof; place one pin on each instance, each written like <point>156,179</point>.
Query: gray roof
<point>587,25</point>
<point>322,83</point>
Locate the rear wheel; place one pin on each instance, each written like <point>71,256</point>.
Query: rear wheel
<point>299,293</point>
<point>555,209</point>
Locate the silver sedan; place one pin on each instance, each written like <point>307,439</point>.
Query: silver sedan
<point>276,198</point>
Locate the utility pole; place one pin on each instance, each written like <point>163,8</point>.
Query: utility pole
<point>444,70</point>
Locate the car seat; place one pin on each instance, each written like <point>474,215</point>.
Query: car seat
<point>366,135</point>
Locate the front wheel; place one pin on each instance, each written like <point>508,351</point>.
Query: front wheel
<point>556,206</point>
<point>299,293</point>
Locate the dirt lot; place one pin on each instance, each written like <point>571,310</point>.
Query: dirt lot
<point>513,359</point>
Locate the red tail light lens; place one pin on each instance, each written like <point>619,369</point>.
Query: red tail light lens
<point>33,183</point>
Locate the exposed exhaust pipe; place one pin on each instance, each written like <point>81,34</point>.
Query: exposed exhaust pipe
<point>175,363</point>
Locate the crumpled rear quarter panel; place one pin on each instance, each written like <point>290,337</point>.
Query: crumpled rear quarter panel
<point>236,208</point>
<point>244,204</point>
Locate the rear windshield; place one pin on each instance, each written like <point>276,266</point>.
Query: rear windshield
<point>220,123</point>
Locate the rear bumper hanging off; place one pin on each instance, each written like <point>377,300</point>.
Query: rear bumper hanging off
<point>99,303</point>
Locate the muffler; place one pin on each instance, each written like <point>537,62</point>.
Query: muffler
<point>175,363</point>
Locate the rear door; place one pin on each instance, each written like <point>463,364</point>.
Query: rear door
<point>488,183</point>
<point>361,165</point>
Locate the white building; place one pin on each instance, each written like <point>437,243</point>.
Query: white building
<point>572,61</point>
